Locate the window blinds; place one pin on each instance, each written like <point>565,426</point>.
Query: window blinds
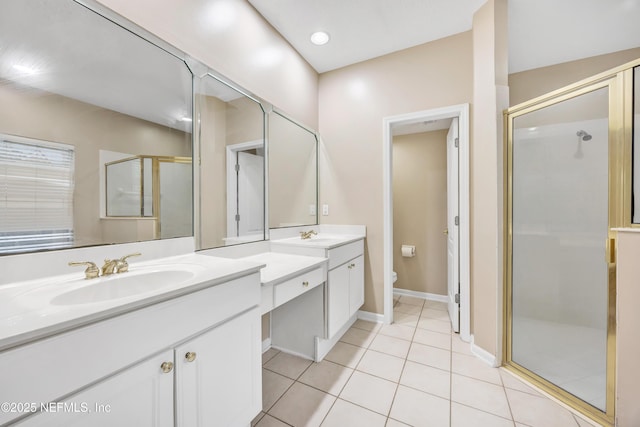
<point>36,195</point>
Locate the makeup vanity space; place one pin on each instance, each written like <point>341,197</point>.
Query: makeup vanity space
<point>145,150</point>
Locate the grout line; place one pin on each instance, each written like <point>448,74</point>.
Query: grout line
<point>506,396</point>
<point>450,380</point>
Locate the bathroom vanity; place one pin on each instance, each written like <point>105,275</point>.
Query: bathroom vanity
<point>186,353</point>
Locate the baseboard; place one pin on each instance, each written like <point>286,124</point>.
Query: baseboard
<point>423,295</point>
<point>483,354</point>
<point>370,317</point>
<point>266,344</point>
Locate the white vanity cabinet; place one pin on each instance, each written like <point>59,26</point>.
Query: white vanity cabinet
<point>194,360</point>
<point>345,293</point>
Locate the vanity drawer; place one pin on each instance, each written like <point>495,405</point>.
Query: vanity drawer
<point>291,288</point>
<point>341,254</point>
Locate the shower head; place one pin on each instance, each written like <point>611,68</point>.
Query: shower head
<point>584,136</point>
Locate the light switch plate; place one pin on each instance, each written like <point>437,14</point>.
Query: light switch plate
<point>325,209</point>
<point>312,210</point>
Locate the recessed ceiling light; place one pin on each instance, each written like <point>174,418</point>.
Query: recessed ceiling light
<point>319,38</point>
<point>186,119</point>
<point>25,69</point>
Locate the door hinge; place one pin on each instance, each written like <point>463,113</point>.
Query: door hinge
<point>237,217</point>
<point>237,167</point>
<point>457,220</point>
<point>457,299</point>
<point>456,142</point>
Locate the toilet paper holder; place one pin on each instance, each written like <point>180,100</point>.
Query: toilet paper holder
<point>408,251</point>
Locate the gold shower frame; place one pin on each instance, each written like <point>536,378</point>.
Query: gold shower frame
<point>619,81</point>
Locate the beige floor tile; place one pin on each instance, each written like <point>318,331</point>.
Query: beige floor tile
<point>257,418</point>
<point>433,313</point>
<point>434,339</point>
<point>405,319</point>
<point>395,423</point>
<point>358,337</point>
<point>390,345</point>
<point>584,423</point>
<point>381,365</point>
<point>370,392</point>
<point>538,411</point>
<point>269,421</point>
<point>346,414</point>
<point>404,299</point>
<point>408,308</point>
<point>273,387</point>
<point>480,395</point>
<point>460,346</point>
<point>288,365</point>
<point>367,326</point>
<point>425,378</point>
<point>435,325</point>
<point>302,405</point>
<point>465,416</point>
<point>436,305</point>
<point>398,331</point>
<point>432,356</point>
<point>473,367</point>
<point>326,376</point>
<point>420,409</point>
<point>345,354</point>
<point>269,354</point>
<point>510,381</point>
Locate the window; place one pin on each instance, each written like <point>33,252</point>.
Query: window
<point>36,195</point>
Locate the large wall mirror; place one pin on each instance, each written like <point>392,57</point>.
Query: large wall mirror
<point>232,164</point>
<point>293,173</point>
<point>82,96</point>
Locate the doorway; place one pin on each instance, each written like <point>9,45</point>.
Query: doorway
<point>461,114</point>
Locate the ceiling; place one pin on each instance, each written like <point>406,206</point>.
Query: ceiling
<point>541,32</point>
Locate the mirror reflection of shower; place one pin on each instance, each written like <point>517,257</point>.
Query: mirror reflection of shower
<point>582,136</point>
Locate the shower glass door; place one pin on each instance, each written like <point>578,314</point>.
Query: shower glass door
<point>558,228</point>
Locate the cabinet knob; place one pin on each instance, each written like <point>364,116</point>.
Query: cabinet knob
<point>166,367</point>
<point>305,284</point>
<point>190,356</point>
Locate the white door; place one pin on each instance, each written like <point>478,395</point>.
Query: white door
<point>250,194</point>
<point>453,242</point>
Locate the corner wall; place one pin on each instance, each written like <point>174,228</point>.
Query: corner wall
<point>490,97</point>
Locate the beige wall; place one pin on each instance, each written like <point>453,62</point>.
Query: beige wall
<point>628,318</point>
<point>353,102</point>
<point>490,97</point>
<point>420,210</point>
<point>233,39</point>
<point>529,84</point>
<point>42,115</point>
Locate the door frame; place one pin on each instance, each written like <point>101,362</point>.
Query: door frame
<point>461,111</point>
<point>232,184</point>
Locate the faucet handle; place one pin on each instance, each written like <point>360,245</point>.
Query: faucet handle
<point>123,265</point>
<point>92,270</point>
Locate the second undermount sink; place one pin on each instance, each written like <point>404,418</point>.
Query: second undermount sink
<point>123,285</point>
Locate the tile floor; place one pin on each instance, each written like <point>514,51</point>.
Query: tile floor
<point>415,372</point>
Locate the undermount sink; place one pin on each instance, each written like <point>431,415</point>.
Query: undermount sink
<point>122,285</point>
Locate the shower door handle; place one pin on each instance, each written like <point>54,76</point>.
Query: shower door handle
<point>610,250</point>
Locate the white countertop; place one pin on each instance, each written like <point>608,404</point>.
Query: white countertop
<point>321,240</point>
<point>280,267</point>
<point>28,310</point>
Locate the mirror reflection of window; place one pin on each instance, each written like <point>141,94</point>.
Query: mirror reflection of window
<point>70,75</point>
<point>36,195</point>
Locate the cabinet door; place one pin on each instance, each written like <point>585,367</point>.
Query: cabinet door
<point>218,374</point>
<point>139,396</point>
<point>338,298</point>
<point>356,284</point>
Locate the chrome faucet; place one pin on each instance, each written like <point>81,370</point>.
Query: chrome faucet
<point>304,235</point>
